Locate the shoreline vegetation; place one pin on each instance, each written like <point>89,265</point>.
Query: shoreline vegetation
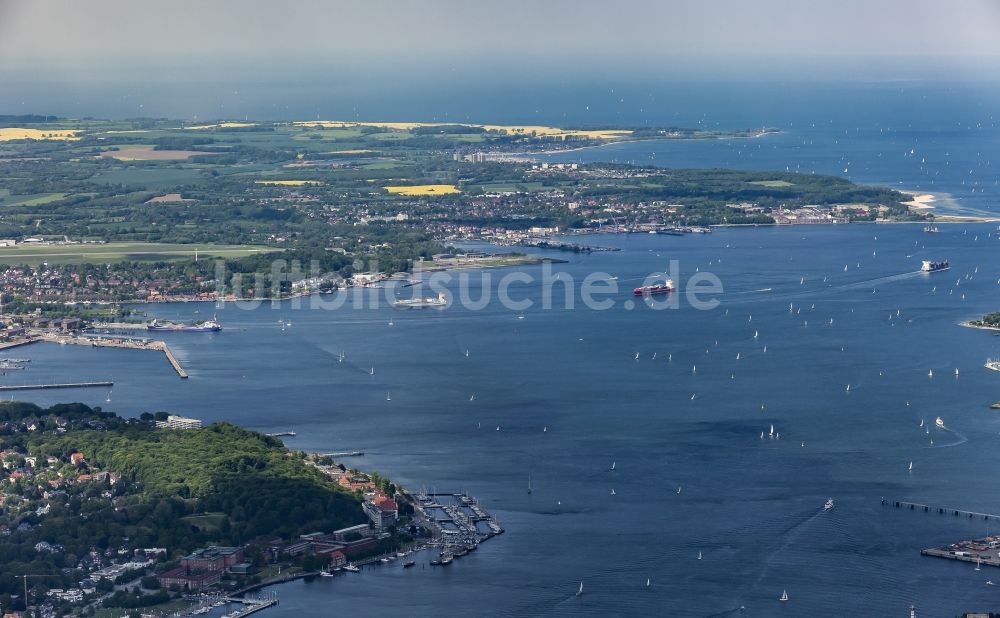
<point>990,321</point>
<point>134,483</point>
<point>113,214</point>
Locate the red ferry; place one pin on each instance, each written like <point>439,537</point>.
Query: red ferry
<point>657,288</point>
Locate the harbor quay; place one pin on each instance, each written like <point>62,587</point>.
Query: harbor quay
<point>101,341</point>
<point>984,551</point>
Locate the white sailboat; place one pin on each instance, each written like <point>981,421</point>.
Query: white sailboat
<point>613,463</point>
<point>647,582</point>
<point>784,596</point>
<point>910,468</point>
<point>699,555</point>
<point>580,590</point>
<point>387,397</point>
<point>772,431</point>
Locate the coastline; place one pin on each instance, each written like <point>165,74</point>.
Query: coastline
<point>969,324</point>
<point>757,135</point>
<point>924,203</point>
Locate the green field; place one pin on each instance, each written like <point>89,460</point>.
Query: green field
<point>119,251</point>
<point>31,200</point>
<point>772,183</point>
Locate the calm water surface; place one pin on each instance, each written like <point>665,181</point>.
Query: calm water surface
<point>690,475</point>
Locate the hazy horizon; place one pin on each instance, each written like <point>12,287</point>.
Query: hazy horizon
<point>310,58</point>
<point>60,39</point>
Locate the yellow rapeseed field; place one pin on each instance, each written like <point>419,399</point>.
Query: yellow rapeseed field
<point>288,183</point>
<point>12,133</point>
<point>539,130</point>
<point>421,190</point>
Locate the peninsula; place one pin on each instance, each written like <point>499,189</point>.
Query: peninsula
<point>153,210</point>
<point>105,511</point>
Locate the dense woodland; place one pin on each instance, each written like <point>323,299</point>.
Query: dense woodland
<point>178,489</point>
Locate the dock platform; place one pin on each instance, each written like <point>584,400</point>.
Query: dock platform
<point>174,362</point>
<point>38,387</point>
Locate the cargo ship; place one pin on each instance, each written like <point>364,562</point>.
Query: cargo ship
<point>930,266</point>
<point>656,288</point>
<point>208,326</point>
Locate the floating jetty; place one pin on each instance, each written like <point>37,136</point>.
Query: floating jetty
<point>281,434</point>
<point>38,387</point>
<point>343,454</point>
<point>461,517</point>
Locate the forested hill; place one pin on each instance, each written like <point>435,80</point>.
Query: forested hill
<point>83,480</point>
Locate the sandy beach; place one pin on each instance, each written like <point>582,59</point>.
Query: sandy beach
<point>920,201</point>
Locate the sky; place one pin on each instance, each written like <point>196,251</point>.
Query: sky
<point>434,59</point>
<point>123,33</point>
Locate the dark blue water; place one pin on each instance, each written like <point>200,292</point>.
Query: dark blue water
<point>751,506</point>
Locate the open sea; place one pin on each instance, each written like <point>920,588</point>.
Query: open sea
<point>834,306</point>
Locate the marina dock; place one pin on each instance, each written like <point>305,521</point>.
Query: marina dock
<point>36,387</point>
<point>251,606</point>
<point>461,517</point>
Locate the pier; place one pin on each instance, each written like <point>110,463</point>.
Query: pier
<point>343,454</point>
<point>129,343</point>
<point>173,361</point>
<point>251,606</point>
<point>943,510</point>
<point>465,523</point>
<point>37,387</point>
